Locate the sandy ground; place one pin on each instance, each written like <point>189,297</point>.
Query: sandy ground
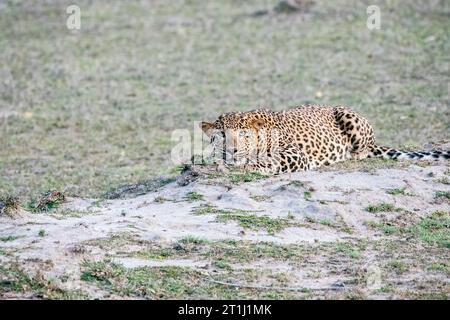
<point>316,209</point>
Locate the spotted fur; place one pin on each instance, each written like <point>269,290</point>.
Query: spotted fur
<point>299,139</point>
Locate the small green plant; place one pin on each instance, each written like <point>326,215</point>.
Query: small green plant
<point>442,194</point>
<point>207,208</point>
<point>193,196</point>
<point>155,253</point>
<point>349,250</point>
<point>193,240</point>
<point>246,177</point>
<point>223,265</point>
<point>8,238</point>
<point>15,279</point>
<point>380,207</point>
<point>398,266</point>
<point>387,229</point>
<point>307,195</point>
<point>326,222</point>
<point>434,229</point>
<point>41,233</point>
<point>396,191</point>
<point>440,266</point>
<point>251,221</point>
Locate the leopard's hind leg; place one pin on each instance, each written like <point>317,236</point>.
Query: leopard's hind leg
<point>357,133</point>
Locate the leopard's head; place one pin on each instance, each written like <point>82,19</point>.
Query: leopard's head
<point>235,137</point>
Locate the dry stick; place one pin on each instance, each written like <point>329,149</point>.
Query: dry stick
<point>230,284</point>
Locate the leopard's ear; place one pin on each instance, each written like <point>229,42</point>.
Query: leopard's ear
<point>207,128</point>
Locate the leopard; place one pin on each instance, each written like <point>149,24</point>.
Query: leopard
<point>301,138</point>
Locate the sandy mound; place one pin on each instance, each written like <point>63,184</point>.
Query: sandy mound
<point>335,225</point>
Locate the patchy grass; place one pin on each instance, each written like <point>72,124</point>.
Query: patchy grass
<point>434,229</point>
<point>222,265</point>
<point>397,191</point>
<point>8,238</point>
<point>245,218</point>
<point>386,228</point>
<point>255,222</point>
<point>440,266</point>
<point>246,177</point>
<point>155,254</point>
<point>307,195</point>
<point>349,250</point>
<point>207,208</point>
<point>68,120</point>
<point>13,280</point>
<point>155,282</point>
<point>442,195</point>
<point>381,207</point>
<point>193,240</point>
<point>182,282</point>
<point>193,196</point>
<point>398,266</point>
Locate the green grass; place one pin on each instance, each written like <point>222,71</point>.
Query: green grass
<point>386,228</point>
<point>442,195</point>
<point>14,279</point>
<point>307,195</point>
<point>348,249</point>
<point>8,238</point>
<point>193,240</point>
<point>153,282</point>
<point>255,222</point>
<point>396,191</point>
<point>222,265</point>
<point>207,208</point>
<point>245,218</point>
<point>184,282</point>
<point>398,266</point>
<point>246,177</point>
<point>193,196</point>
<point>155,254</point>
<point>433,229</point>
<point>90,110</point>
<point>440,266</point>
<point>380,207</point>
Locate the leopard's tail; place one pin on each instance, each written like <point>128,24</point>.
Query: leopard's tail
<point>389,153</point>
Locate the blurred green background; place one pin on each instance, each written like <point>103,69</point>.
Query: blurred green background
<point>85,111</point>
